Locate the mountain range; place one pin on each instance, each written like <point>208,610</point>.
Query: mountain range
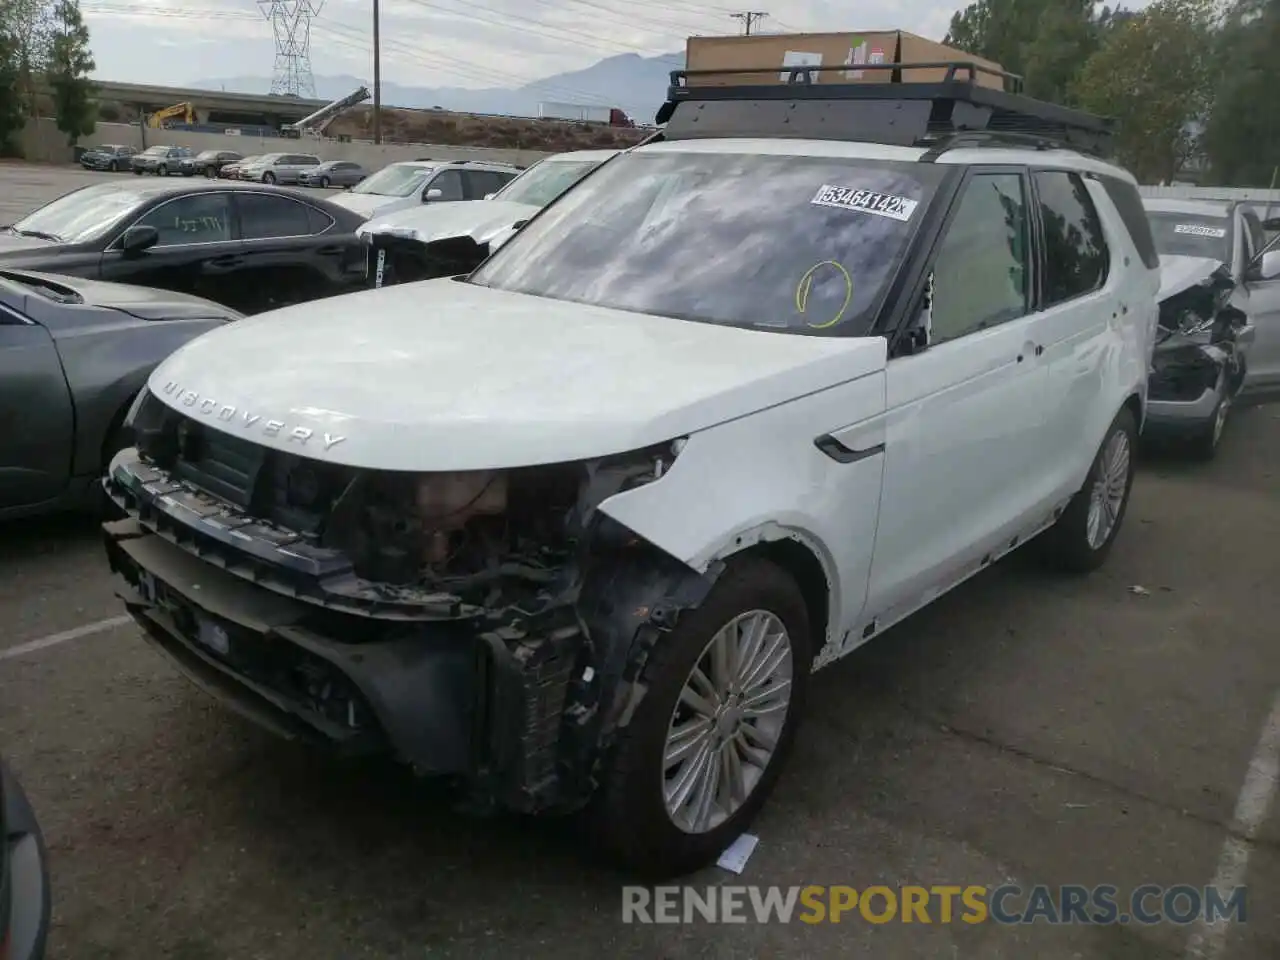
<point>636,84</point>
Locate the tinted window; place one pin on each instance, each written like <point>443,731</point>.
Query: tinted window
<point>484,182</point>
<point>803,245</point>
<point>1257,236</point>
<point>199,218</point>
<point>1075,251</point>
<point>1128,203</point>
<point>317,220</point>
<point>980,275</point>
<point>302,161</point>
<point>1192,235</point>
<point>263,216</point>
<point>449,183</point>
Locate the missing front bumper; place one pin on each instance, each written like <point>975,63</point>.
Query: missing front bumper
<point>446,699</point>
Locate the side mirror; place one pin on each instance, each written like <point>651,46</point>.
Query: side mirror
<point>435,193</point>
<point>137,239</point>
<point>1266,267</point>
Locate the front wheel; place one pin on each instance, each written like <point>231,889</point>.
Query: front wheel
<point>324,183</point>
<point>1204,445</point>
<point>268,177</point>
<point>113,167</point>
<point>725,693</point>
<point>1082,537</point>
<point>137,171</point>
<point>162,171</point>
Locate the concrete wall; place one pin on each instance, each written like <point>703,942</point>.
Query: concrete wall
<point>41,141</point>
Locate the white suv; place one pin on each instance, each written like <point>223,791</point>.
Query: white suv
<point>409,184</point>
<point>574,531</point>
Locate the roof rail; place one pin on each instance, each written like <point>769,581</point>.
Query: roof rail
<point>955,111</point>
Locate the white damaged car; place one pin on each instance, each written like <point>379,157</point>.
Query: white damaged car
<point>440,240</point>
<point>574,531</point>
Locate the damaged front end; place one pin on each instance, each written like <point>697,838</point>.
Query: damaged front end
<point>402,257</point>
<point>485,626</point>
<point>1199,353</point>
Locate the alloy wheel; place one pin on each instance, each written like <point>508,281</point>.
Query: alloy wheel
<point>1109,489</point>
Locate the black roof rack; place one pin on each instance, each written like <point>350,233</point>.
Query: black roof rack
<point>955,111</point>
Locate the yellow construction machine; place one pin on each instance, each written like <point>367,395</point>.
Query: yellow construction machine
<point>184,110</point>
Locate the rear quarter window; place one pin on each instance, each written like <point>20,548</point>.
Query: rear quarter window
<point>1128,203</point>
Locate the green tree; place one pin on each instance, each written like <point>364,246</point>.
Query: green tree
<point>1154,74</point>
<point>1242,136</point>
<point>70,64</point>
<point>27,26</point>
<point>12,115</point>
<point>1044,41</point>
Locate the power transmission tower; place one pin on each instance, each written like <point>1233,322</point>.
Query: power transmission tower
<point>291,23</point>
<point>748,17</point>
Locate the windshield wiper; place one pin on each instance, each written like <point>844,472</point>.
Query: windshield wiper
<point>38,234</point>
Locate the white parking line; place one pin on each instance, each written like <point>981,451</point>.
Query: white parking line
<point>1253,805</point>
<point>76,633</point>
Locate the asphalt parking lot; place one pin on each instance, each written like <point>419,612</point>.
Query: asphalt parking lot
<point>1025,728</point>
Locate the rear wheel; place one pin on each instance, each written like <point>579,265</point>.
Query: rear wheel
<point>137,172</point>
<point>1082,538</point>
<point>725,693</point>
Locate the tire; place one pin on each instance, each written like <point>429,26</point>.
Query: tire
<point>137,172</point>
<point>324,183</point>
<point>1068,544</point>
<point>188,173</point>
<point>1204,444</point>
<point>113,167</point>
<point>117,439</point>
<point>162,171</point>
<point>268,177</point>
<point>628,816</point>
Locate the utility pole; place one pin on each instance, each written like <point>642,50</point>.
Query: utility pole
<point>748,17</point>
<point>377,78</point>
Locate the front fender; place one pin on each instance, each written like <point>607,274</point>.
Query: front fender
<point>761,478</point>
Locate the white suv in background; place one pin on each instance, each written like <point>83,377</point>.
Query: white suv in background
<point>411,183</point>
<point>279,167</point>
<point>573,531</point>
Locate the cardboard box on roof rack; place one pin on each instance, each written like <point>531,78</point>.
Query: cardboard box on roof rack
<point>825,50</point>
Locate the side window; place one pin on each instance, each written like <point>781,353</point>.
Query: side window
<point>1075,254</point>
<point>198,218</point>
<point>484,182</point>
<point>318,221</point>
<point>980,275</point>
<point>1256,235</point>
<point>263,217</point>
<point>449,183</point>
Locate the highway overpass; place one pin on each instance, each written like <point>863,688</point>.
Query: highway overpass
<point>211,106</point>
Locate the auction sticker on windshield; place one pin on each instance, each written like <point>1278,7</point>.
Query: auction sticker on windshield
<point>867,201</point>
<point>1200,230</point>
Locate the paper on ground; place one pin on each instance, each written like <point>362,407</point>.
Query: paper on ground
<point>735,858</point>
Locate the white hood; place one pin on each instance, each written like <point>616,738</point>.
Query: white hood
<point>365,203</point>
<point>1179,273</point>
<point>444,375</point>
<point>479,220</point>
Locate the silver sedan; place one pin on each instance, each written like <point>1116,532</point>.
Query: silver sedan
<point>333,173</point>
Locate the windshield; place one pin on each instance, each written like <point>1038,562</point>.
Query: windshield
<point>207,155</point>
<point>81,215</point>
<point>394,181</point>
<point>803,245</point>
<point>155,151</point>
<point>541,184</point>
<point>1191,235</point>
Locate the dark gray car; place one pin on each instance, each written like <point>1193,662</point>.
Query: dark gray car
<point>333,173</point>
<point>73,355</point>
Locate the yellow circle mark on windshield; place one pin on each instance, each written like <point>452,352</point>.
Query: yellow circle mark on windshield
<point>806,284</point>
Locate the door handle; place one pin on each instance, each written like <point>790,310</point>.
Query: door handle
<point>332,250</point>
<point>222,264</point>
<point>1039,349</point>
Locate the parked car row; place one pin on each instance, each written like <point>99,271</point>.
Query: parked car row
<point>653,435</point>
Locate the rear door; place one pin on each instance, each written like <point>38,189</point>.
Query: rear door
<point>287,257</point>
<point>198,251</point>
<point>36,415</point>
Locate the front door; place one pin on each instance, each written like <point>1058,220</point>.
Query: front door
<point>1261,302</point>
<point>197,253</point>
<point>963,414</point>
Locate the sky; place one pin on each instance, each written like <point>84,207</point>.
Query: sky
<point>455,43</point>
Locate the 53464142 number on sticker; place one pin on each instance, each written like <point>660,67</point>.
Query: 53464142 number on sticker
<point>1200,230</point>
<point>866,201</point>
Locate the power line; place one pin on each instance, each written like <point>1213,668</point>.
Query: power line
<point>291,23</point>
<point>748,17</point>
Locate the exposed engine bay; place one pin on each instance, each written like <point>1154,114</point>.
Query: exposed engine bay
<point>437,545</point>
<point>395,258</point>
<point>1196,347</point>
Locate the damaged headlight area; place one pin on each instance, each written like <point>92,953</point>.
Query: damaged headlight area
<point>1195,325</point>
<point>400,255</point>
<point>420,545</point>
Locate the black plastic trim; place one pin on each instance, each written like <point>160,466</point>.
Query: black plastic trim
<point>838,452</point>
